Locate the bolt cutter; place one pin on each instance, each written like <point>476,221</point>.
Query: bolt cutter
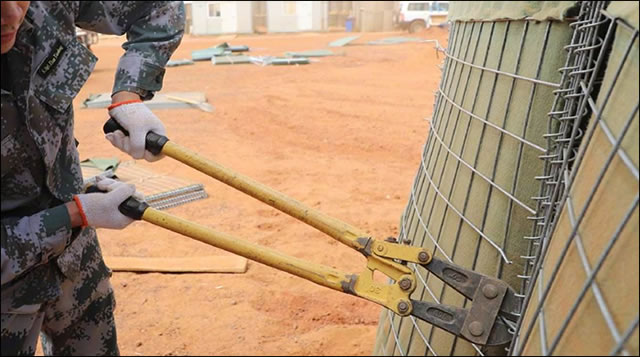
<point>495,305</point>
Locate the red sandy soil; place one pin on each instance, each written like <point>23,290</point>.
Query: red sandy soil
<point>342,135</point>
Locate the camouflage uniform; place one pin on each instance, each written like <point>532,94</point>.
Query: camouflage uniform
<point>54,279</point>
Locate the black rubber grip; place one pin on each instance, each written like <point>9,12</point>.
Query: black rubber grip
<point>154,142</point>
<point>131,207</point>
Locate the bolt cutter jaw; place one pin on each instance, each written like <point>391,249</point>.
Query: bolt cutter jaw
<point>452,319</point>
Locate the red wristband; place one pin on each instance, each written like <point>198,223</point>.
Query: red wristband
<point>79,204</point>
<point>114,105</point>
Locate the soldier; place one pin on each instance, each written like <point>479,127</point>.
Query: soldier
<point>54,280</point>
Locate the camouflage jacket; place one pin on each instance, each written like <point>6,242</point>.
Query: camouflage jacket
<point>40,164</point>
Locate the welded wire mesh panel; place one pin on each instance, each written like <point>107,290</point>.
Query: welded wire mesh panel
<point>584,285</point>
<point>160,191</point>
<point>471,201</point>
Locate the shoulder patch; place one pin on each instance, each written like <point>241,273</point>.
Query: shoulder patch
<point>52,59</point>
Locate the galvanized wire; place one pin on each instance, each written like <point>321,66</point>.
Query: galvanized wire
<point>428,190</point>
<point>627,334</point>
<point>424,166</point>
<point>503,73</point>
<point>563,131</point>
<point>454,37</point>
<point>573,105</point>
<point>590,282</point>
<point>174,192</point>
<point>486,122</point>
<point>479,174</point>
<point>178,200</point>
<point>573,235</point>
<point>564,127</point>
<point>161,191</point>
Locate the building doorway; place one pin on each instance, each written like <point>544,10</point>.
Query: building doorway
<point>259,10</point>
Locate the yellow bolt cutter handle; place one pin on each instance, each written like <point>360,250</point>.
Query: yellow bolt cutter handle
<point>379,254</point>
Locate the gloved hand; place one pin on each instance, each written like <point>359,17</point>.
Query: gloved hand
<point>100,210</point>
<point>138,120</point>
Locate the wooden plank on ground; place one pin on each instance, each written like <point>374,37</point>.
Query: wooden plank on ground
<point>209,264</point>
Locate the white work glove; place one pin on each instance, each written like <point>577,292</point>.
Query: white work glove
<point>138,120</point>
<point>100,210</point>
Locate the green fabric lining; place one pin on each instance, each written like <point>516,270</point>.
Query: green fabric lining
<point>510,10</point>
<point>626,10</point>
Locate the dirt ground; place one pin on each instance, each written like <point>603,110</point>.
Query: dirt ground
<point>342,135</point>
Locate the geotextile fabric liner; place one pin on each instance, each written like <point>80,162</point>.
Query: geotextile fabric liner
<point>510,10</point>
<point>590,271</point>
<point>472,195</point>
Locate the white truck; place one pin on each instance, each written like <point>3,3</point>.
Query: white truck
<point>415,16</point>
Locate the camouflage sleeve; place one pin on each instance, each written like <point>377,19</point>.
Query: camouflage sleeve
<point>33,240</point>
<point>154,30</point>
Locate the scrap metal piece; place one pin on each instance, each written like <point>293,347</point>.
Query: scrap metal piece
<point>278,61</point>
<point>310,53</point>
<point>207,53</point>
<point>343,41</point>
<point>218,50</point>
<point>181,62</point>
<point>220,60</point>
<point>237,48</point>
